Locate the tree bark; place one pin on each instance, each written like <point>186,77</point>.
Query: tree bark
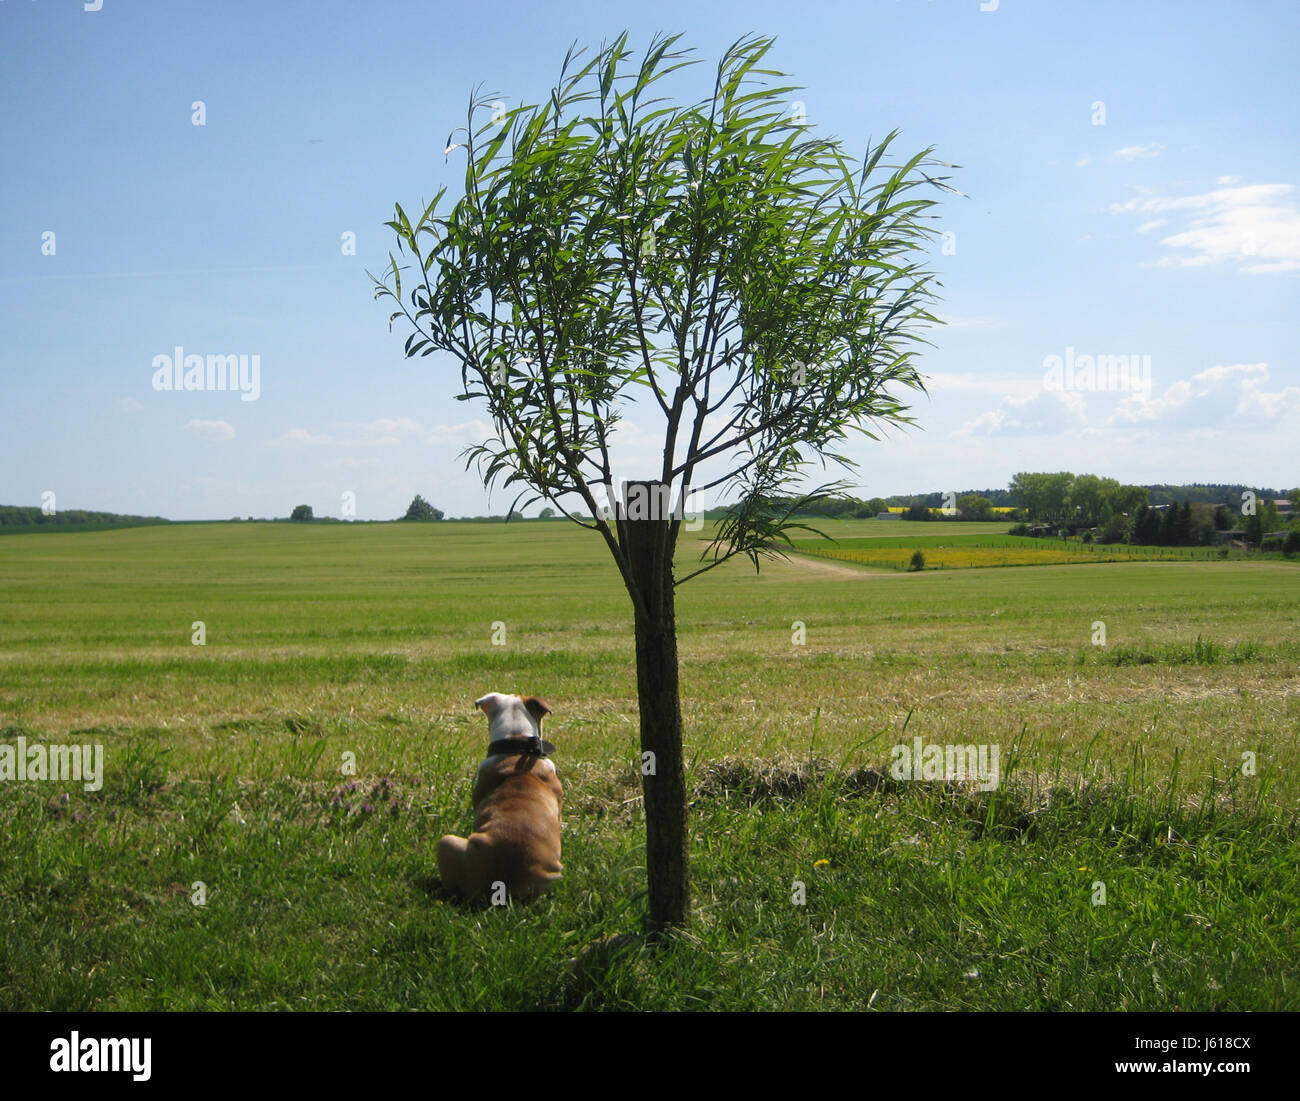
<point>663,774</point>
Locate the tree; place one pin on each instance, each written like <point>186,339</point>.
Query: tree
<point>1042,496</point>
<point>1128,499</point>
<point>975,507</point>
<point>420,509</point>
<point>301,512</point>
<point>1114,530</point>
<point>1146,527</point>
<point>1169,526</point>
<point>1201,525</point>
<point>757,288</point>
<point>1086,497</point>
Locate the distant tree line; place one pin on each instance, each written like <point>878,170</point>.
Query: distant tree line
<point>997,498</point>
<point>31,516</point>
<point>1185,525</point>
<point>1083,500</point>
<point>1107,512</point>
<point>1206,494</point>
<point>1193,524</point>
<point>925,506</point>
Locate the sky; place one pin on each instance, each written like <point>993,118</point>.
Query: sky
<point>192,175</point>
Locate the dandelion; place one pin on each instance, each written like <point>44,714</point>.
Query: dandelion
<point>821,863</point>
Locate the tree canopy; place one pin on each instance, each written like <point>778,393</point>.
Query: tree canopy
<point>761,288</point>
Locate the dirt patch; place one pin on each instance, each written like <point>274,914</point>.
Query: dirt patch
<point>800,564</point>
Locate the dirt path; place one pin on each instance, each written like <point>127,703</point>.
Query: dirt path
<point>801,564</point>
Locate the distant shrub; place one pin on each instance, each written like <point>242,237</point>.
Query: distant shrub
<point>420,509</point>
<point>1019,529</point>
<point>1115,530</point>
<point>917,562</point>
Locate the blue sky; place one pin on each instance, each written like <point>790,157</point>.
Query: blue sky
<point>1131,172</point>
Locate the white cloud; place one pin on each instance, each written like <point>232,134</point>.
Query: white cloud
<point>1219,396</point>
<point>1257,226</point>
<point>384,432</point>
<point>300,436</point>
<point>1081,162</point>
<point>1218,399</point>
<point>1255,403</point>
<point>212,430</point>
<point>387,430</point>
<point>1139,152</point>
<point>1155,223</point>
<point>1047,413</point>
<point>459,433</point>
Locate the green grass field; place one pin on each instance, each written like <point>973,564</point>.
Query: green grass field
<point>1122,765</point>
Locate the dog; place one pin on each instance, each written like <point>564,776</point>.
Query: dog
<point>514,851</point>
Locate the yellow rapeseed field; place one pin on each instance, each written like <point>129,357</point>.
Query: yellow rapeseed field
<point>969,557</point>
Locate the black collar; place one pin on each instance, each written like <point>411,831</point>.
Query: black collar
<point>532,746</point>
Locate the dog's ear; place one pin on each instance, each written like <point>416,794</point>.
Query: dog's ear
<point>489,704</point>
<point>536,708</point>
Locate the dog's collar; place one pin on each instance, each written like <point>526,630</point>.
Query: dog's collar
<point>532,746</point>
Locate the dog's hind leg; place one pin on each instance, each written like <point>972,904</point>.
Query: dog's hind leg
<point>451,863</point>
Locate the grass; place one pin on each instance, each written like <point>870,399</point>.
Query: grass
<point>1123,765</point>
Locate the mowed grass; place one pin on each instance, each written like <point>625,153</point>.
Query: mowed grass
<point>818,880</point>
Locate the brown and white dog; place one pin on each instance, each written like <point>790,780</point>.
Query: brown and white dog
<point>514,850</point>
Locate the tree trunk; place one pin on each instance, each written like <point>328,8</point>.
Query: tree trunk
<point>663,775</point>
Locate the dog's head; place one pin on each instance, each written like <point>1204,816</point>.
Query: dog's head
<point>512,716</point>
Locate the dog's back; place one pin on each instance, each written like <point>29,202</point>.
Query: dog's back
<point>517,827</point>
